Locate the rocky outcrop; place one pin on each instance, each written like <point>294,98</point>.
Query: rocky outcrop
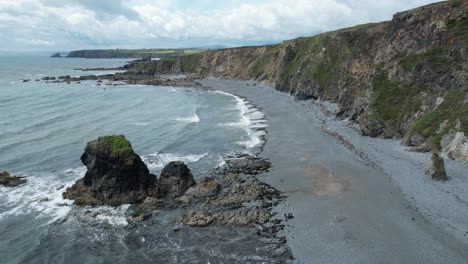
<point>435,168</point>
<point>9,180</point>
<point>402,78</point>
<point>115,175</point>
<point>207,186</point>
<point>245,164</point>
<point>56,55</point>
<point>175,179</point>
<point>241,216</point>
<point>455,146</point>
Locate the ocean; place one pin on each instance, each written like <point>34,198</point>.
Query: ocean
<point>44,128</point>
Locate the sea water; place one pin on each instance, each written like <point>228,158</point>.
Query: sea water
<point>44,128</point>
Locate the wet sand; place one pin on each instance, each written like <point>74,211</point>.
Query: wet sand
<point>355,199</point>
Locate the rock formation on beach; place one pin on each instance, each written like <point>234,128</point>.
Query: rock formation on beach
<point>175,179</point>
<point>435,168</point>
<point>115,175</point>
<point>9,180</point>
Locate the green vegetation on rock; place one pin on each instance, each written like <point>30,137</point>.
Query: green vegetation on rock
<point>453,108</point>
<point>191,63</point>
<point>118,145</point>
<point>392,101</point>
<point>459,28</point>
<point>436,58</point>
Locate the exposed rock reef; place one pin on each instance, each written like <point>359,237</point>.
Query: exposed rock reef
<point>115,175</point>
<point>405,78</point>
<point>9,180</point>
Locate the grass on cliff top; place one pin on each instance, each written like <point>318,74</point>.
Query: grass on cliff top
<point>453,108</point>
<point>118,146</point>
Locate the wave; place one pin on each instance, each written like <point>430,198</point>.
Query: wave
<point>251,119</point>
<point>42,194</point>
<point>192,119</point>
<point>139,124</point>
<point>159,160</point>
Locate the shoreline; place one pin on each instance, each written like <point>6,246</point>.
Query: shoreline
<point>364,207</point>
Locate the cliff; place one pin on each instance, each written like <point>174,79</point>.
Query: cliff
<point>404,78</point>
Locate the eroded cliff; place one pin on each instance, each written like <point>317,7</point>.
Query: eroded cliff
<point>404,78</point>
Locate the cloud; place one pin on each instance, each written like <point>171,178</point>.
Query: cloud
<point>72,24</point>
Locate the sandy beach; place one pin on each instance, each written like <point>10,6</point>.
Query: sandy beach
<point>355,199</point>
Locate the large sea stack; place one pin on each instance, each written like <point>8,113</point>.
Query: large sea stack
<point>115,175</point>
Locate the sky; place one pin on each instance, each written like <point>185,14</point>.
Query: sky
<point>63,25</point>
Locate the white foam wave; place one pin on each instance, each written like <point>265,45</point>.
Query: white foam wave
<point>159,160</point>
<point>139,124</point>
<point>41,194</point>
<point>192,119</point>
<point>251,119</point>
<point>115,216</point>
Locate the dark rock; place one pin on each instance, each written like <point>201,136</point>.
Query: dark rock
<point>436,168</point>
<point>141,217</point>
<point>56,55</point>
<point>9,180</point>
<point>115,175</point>
<point>245,164</point>
<point>43,200</point>
<point>289,216</point>
<point>175,179</point>
<point>207,186</point>
<point>26,80</point>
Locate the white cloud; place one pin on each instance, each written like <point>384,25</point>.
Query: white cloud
<point>72,24</point>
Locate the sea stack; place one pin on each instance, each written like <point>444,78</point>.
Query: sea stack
<point>115,175</point>
<point>436,168</point>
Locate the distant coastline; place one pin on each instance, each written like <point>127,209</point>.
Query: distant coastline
<point>132,53</point>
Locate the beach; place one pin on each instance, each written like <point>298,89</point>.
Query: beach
<point>354,199</point>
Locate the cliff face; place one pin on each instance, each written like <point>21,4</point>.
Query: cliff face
<point>403,78</point>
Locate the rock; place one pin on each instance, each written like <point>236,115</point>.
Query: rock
<point>115,175</point>
<point>90,213</point>
<point>152,202</point>
<point>60,187</point>
<point>245,164</point>
<point>56,55</point>
<point>207,186</point>
<point>43,200</point>
<point>26,80</point>
<point>199,219</point>
<point>455,146</point>
<point>436,168</point>
<point>413,139</point>
<point>141,217</point>
<point>9,180</point>
<point>184,200</point>
<point>175,179</point>
<point>240,216</point>
<point>244,216</point>
<point>289,216</point>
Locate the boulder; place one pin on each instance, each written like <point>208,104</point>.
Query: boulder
<point>175,179</point>
<point>115,175</point>
<point>9,180</point>
<point>207,186</point>
<point>436,169</point>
